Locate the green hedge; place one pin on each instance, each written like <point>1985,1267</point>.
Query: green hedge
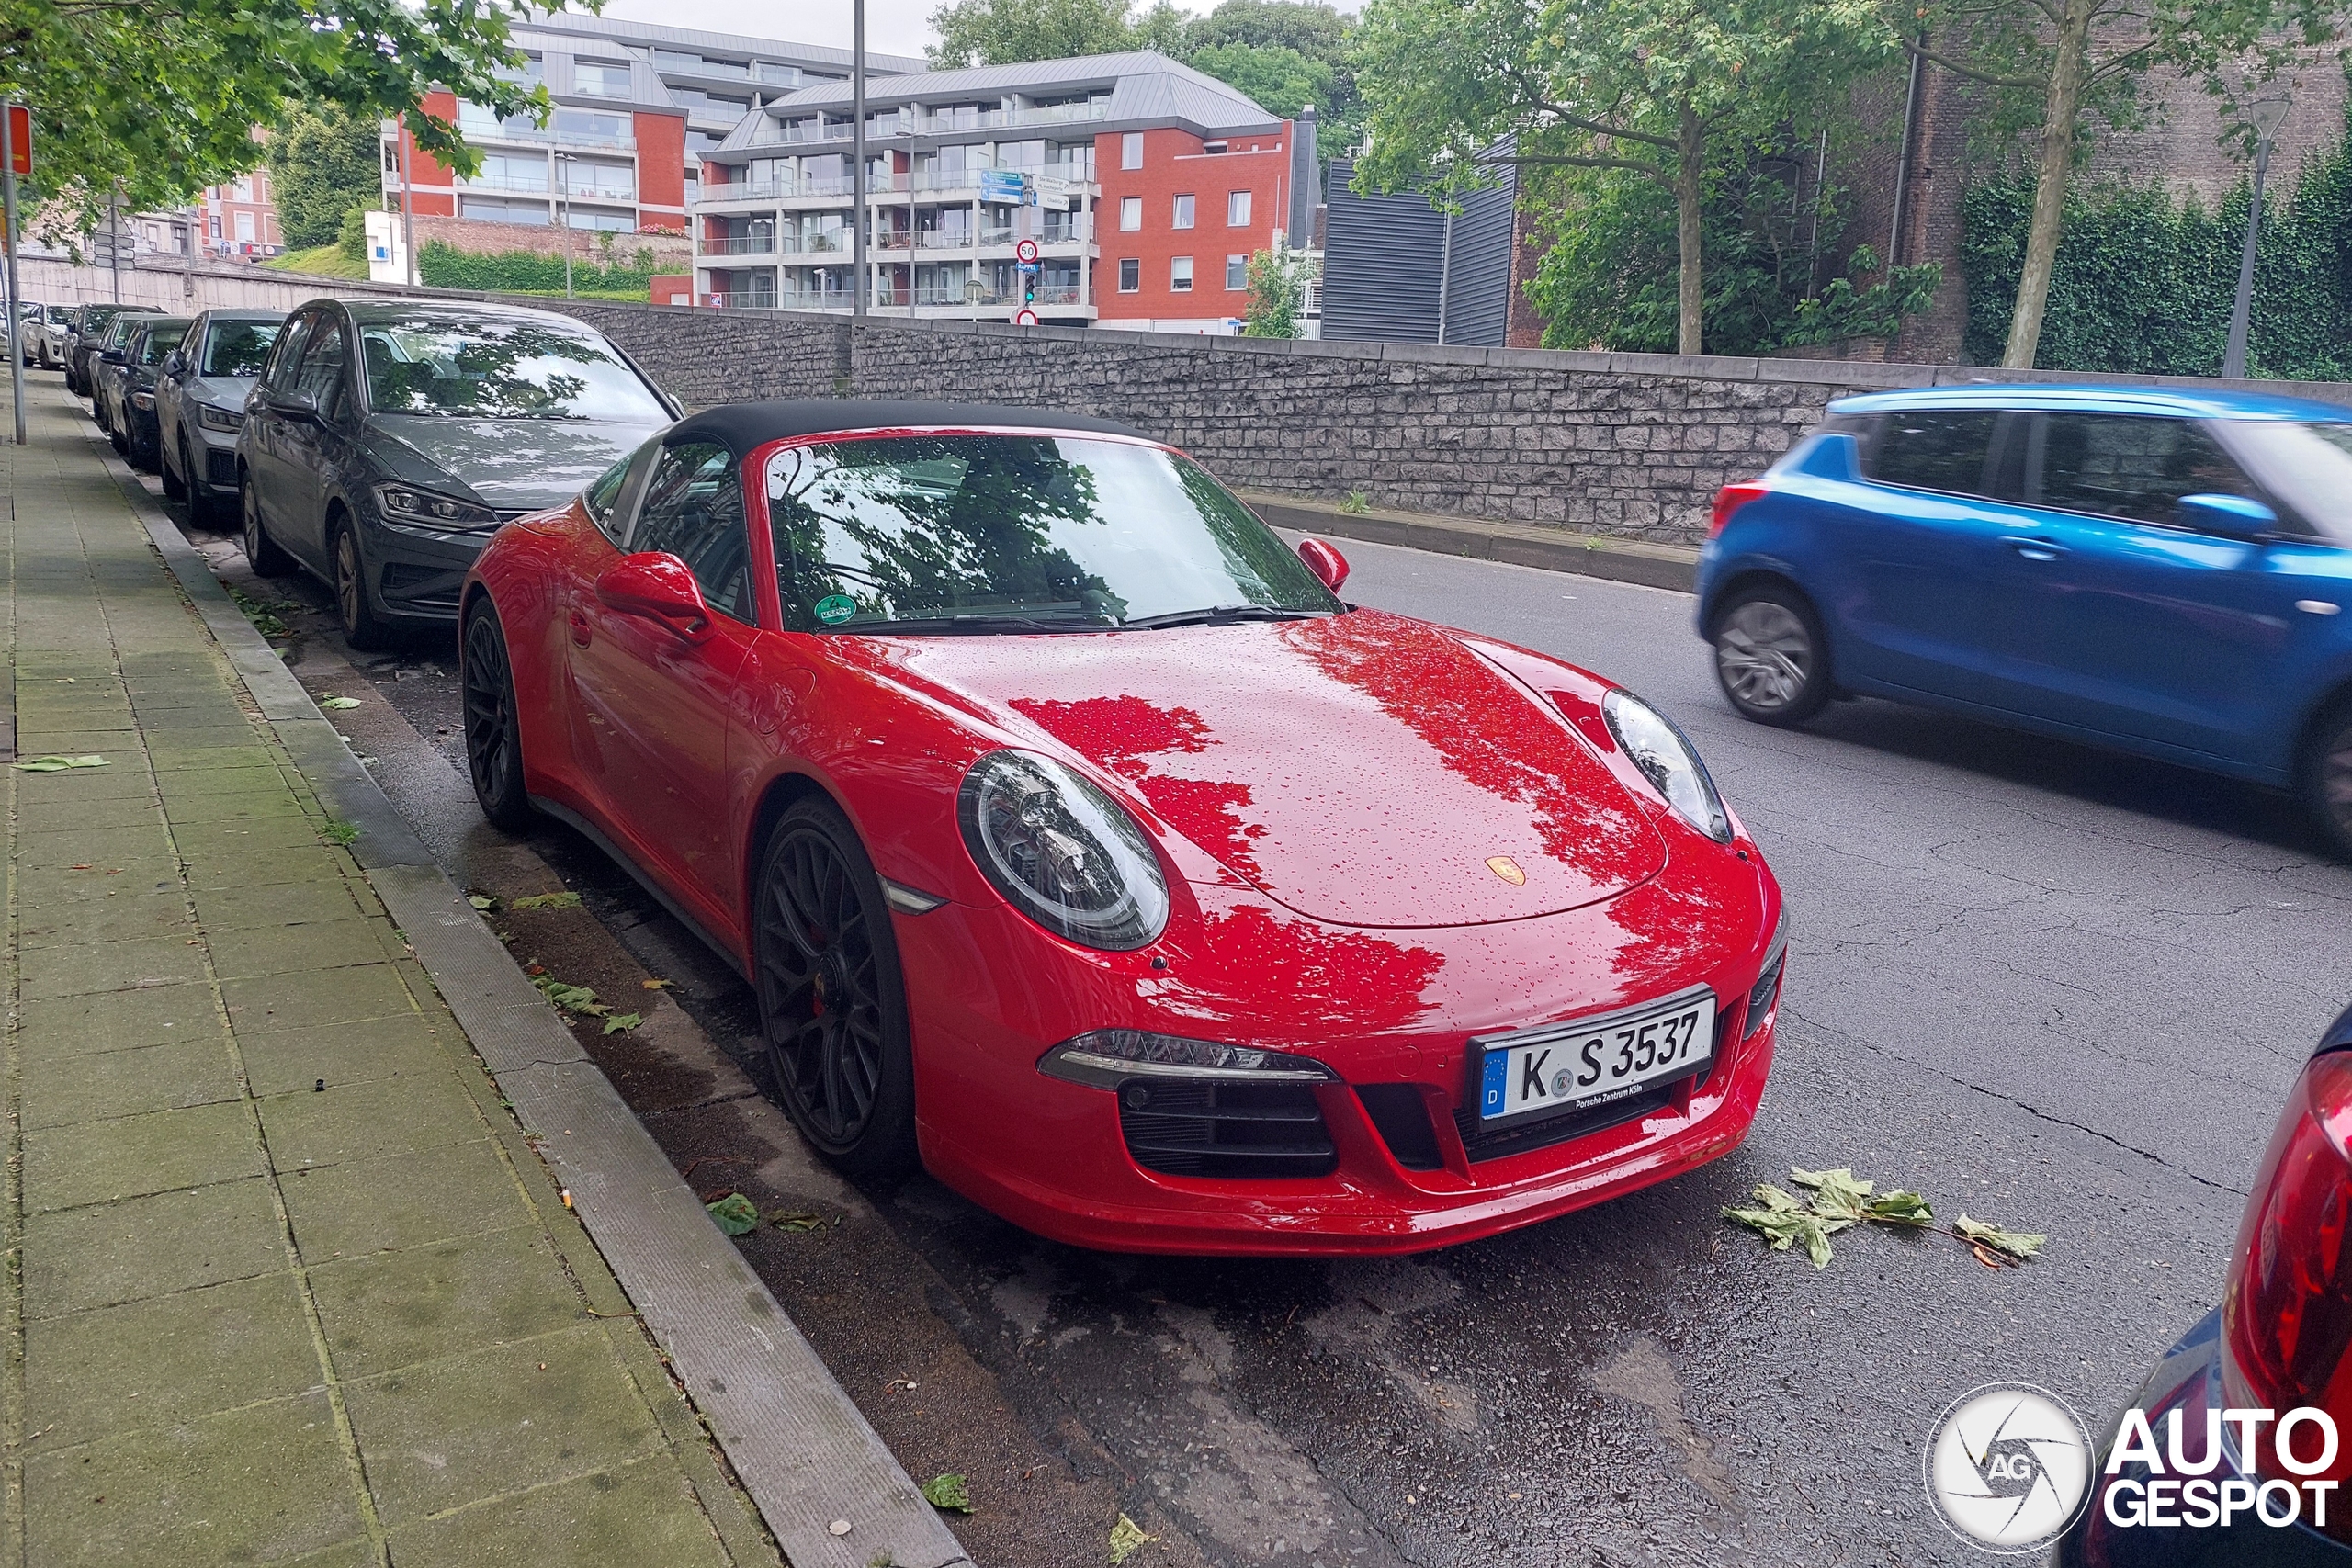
<point>2144,281</point>
<point>441,265</point>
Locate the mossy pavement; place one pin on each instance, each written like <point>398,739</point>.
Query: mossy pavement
<point>290,1282</point>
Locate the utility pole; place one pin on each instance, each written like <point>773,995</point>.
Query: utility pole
<point>857,163</point>
<point>114,237</point>
<point>408,202</point>
<point>563,209</point>
<point>188,256</point>
<point>8,218</point>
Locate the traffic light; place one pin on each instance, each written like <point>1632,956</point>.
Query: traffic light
<point>1028,288</point>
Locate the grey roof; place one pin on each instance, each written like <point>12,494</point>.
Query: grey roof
<point>1146,88</point>
<point>781,50</point>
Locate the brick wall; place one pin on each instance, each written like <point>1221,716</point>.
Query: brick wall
<point>1630,444</point>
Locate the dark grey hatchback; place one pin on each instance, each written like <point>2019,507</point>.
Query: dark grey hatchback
<point>386,441</point>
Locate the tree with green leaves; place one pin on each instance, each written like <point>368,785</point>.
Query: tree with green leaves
<point>1010,33</point>
<point>2060,66</point>
<point>159,98</point>
<point>1651,87</point>
<point>323,163</point>
<point>1277,288</point>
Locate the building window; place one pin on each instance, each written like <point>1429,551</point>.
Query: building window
<point>599,80</point>
<point>244,188</point>
<point>1184,212</point>
<point>1131,150</point>
<point>1237,271</point>
<point>1180,275</point>
<point>1130,214</point>
<point>1130,276</point>
<point>1237,210</point>
<point>245,228</point>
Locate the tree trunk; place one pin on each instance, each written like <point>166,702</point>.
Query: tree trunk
<point>2061,112</point>
<point>1689,160</point>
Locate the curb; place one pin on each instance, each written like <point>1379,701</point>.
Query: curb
<point>801,1449</point>
<point>1552,550</point>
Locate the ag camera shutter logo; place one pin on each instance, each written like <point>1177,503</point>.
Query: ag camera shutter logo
<point>2007,1467</point>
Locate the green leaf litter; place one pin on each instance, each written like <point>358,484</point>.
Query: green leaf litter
<point>1127,1539</point>
<point>1839,1201</point>
<point>948,1492</point>
<point>735,1214</point>
<point>622,1022</point>
<point>548,901</point>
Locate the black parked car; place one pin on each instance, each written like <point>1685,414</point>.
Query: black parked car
<point>388,440</point>
<point>90,327</point>
<point>131,388</point>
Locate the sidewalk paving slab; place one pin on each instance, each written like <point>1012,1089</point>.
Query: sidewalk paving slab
<point>292,1286</point>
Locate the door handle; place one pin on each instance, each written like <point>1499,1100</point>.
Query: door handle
<point>2034,550</point>
<point>579,629</point>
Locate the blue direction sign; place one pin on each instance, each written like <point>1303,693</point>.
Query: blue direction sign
<point>1004,184</point>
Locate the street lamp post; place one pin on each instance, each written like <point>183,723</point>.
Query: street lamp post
<point>564,206</point>
<point>857,161</point>
<point>2268,115</point>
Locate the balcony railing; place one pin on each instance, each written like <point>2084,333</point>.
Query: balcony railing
<point>600,193</point>
<point>993,298</point>
<point>748,190</point>
<point>830,244</point>
<point>813,299</point>
<point>508,183</point>
<point>742,299</point>
<point>942,239</point>
<point>739,245</point>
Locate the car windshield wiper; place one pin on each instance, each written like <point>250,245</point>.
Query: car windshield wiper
<point>1218,614</point>
<point>982,625</point>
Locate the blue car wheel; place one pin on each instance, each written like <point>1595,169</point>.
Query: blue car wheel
<point>1770,655</point>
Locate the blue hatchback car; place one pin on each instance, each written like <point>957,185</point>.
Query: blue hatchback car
<point>2164,573</point>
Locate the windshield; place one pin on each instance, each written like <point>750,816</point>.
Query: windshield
<point>161,340</point>
<point>494,369</point>
<point>1035,531</point>
<point>237,348</point>
<point>2308,466</point>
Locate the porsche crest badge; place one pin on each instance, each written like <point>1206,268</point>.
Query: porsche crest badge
<point>1507,869</point>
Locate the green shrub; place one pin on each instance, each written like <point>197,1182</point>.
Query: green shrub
<point>2144,281</point>
<point>351,235</point>
<point>442,265</point>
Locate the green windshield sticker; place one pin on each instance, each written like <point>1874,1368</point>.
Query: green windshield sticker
<point>835,608</point>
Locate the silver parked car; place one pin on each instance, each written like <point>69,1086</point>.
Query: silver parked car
<point>201,406</point>
<point>388,440</point>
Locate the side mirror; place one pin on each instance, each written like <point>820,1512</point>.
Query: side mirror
<point>2232,516</point>
<point>659,587</point>
<point>175,362</point>
<point>1330,567</point>
<point>293,405</point>
<point>113,355</point>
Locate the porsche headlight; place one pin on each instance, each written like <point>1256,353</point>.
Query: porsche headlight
<point>1669,760</point>
<point>1065,854</point>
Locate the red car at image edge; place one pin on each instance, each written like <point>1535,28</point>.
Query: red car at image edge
<point>1083,845</point>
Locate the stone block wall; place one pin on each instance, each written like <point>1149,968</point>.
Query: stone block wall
<point>1626,445</point>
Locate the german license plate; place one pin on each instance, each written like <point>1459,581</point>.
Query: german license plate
<point>1592,1061</point>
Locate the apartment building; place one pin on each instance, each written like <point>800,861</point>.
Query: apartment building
<point>635,108</point>
<point>241,217</point>
<point>1145,184</point>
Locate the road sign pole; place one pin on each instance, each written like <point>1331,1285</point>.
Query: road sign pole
<point>8,221</point>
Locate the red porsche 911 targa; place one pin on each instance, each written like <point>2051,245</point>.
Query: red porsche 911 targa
<point>1083,844</point>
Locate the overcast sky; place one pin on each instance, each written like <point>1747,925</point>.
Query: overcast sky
<point>893,26</point>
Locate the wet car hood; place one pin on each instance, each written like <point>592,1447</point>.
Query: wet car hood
<point>514,464</point>
<point>1363,769</point>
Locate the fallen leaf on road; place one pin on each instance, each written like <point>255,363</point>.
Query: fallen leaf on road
<point>2017,1244</point>
<point>54,764</point>
<point>655,984</point>
<point>481,902</point>
<point>548,901</point>
<point>620,1022</point>
<point>1841,1199</point>
<point>1127,1538</point>
<point>337,704</point>
<point>948,1492</point>
<point>802,1221</point>
<point>735,1214</point>
<point>572,999</point>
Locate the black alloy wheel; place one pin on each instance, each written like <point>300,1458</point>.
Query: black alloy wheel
<point>2327,777</point>
<point>362,627</point>
<point>494,731</point>
<point>832,1003</point>
<point>1772,658</point>
<point>203,506</point>
<point>262,553</point>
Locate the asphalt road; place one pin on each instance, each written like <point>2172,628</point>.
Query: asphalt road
<point>2053,988</point>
